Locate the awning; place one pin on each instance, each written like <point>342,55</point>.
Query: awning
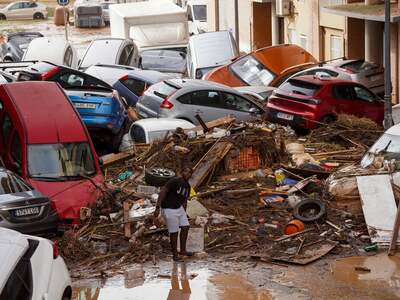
<point>359,10</point>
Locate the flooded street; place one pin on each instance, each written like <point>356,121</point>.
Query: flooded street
<point>373,277</point>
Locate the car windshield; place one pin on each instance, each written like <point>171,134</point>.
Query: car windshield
<point>22,41</point>
<point>388,146</point>
<point>252,72</point>
<point>10,184</point>
<point>299,87</point>
<point>164,61</point>
<point>200,12</point>
<point>60,161</point>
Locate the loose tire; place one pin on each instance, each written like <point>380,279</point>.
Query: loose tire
<point>309,211</point>
<point>158,176</point>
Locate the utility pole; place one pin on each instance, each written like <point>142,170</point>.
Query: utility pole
<point>388,121</point>
<point>237,22</point>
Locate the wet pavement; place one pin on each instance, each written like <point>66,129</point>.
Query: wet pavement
<point>79,37</point>
<point>368,277</point>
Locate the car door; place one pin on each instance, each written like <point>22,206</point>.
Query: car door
<point>241,108</point>
<point>14,11</point>
<point>345,100</point>
<point>134,88</point>
<point>373,106</point>
<point>206,103</point>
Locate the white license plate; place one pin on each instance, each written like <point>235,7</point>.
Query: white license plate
<point>22,212</point>
<point>284,116</point>
<point>85,105</point>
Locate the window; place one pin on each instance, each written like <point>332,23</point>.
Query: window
<point>234,102</point>
<point>292,36</point>
<point>303,41</point>
<point>137,134</point>
<point>71,80</point>
<point>123,59</point>
<point>364,94</point>
<point>16,6</point>
<point>251,71</point>
<point>135,86</point>
<point>299,87</point>
<point>200,12</point>
<point>324,72</point>
<point>387,145</point>
<point>162,89</point>
<point>6,128</point>
<point>52,162</point>
<point>68,57</point>
<point>336,49</point>
<point>16,153</point>
<point>1,106</point>
<point>31,5</point>
<point>345,92</point>
<point>206,98</point>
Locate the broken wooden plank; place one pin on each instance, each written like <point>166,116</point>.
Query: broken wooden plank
<point>127,225</point>
<point>208,161</point>
<point>212,124</point>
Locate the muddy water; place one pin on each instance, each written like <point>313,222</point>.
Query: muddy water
<point>180,283</point>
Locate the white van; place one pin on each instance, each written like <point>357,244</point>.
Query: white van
<point>197,16</point>
<point>57,51</point>
<point>209,50</point>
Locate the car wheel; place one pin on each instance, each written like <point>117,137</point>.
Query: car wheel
<point>158,176</point>
<point>7,60</point>
<point>309,211</point>
<point>2,17</point>
<point>328,119</point>
<point>38,16</point>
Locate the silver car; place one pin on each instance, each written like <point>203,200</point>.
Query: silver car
<point>185,98</point>
<point>23,10</point>
<point>360,71</point>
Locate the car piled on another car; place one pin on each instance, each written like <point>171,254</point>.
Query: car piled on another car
<point>128,81</point>
<point>186,98</point>
<point>13,49</point>
<point>100,106</point>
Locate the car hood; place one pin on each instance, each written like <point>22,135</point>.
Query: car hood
<point>69,196</point>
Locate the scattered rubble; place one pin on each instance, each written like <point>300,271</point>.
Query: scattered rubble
<point>252,183</point>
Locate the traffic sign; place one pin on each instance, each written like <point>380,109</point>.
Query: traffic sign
<point>63,2</point>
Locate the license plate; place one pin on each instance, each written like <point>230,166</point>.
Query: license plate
<point>85,105</point>
<point>284,116</point>
<point>29,211</point>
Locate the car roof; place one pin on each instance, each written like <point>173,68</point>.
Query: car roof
<point>255,88</point>
<point>320,80</point>
<point>212,48</point>
<point>193,84</point>
<point>394,130</point>
<point>37,103</point>
<point>163,124</point>
<point>13,245</point>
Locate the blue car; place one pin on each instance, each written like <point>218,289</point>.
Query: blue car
<point>130,82</point>
<point>101,108</point>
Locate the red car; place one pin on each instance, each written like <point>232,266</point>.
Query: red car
<point>304,101</point>
<point>44,140</point>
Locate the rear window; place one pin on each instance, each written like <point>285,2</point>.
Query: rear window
<point>162,89</point>
<point>101,52</point>
<point>10,184</point>
<point>252,72</point>
<point>164,61</point>
<point>300,87</point>
<point>41,67</point>
<point>359,66</point>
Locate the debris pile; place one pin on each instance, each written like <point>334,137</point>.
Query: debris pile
<point>258,192</point>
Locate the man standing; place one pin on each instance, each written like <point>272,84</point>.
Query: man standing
<point>173,202</point>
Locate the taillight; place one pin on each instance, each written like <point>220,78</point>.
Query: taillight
<point>55,249</point>
<point>166,104</point>
<point>125,77</point>
<point>49,73</point>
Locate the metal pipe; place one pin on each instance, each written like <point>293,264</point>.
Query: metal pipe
<point>237,22</point>
<point>388,121</point>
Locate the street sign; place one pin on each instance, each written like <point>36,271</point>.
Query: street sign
<point>63,2</point>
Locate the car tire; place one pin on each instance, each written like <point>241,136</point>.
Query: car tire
<point>302,211</point>
<point>7,60</point>
<point>3,17</point>
<point>38,16</point>
<point>158,176</point>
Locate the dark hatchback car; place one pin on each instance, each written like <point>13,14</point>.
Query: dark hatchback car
<point>22,208</point>
<point>14,48</point>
